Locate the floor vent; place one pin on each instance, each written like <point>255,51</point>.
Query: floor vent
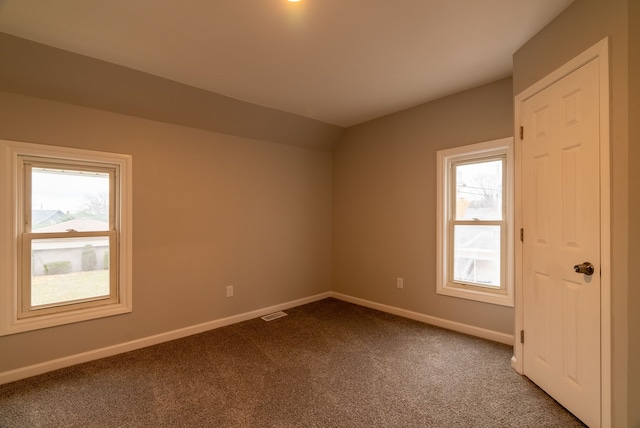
<point>274,316</point>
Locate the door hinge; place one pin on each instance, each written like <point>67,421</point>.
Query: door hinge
<point>521,336</point>
<point>522,235</point>
<point>522,132</point>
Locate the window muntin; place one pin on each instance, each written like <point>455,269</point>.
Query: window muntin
<point>475,231</point>
<point>39,213</point>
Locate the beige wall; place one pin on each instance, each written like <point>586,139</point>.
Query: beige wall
<point>384,212</point>
<point>580,26</point>
<point>46,72</point>
<point>210,210</point>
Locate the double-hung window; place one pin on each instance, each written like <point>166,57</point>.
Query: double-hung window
<point>67,213</point>
<point>475,232</point>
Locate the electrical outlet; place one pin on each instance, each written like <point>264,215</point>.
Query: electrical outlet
<point>400,282</point>
<point>229,290</point>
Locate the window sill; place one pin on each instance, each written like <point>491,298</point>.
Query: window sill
<point>61,318</point>
<point>477,295</point>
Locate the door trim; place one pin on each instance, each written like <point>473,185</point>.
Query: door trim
<point>601,51</point>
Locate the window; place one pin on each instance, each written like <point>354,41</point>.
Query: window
<point>67,218</point>
<point>475,227</point>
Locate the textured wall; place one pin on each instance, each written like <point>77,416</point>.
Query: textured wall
<point>384,212</point>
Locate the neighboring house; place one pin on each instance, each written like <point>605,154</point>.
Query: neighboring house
<point>46,252</point>
<point>44,218</point>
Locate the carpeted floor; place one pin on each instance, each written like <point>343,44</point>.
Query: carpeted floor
<point>326,364</point>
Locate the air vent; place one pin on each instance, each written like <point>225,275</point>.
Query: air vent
<point>274,316</point>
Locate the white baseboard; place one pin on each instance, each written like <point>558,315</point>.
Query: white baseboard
<point>507,339</point>
<point>47,366</point>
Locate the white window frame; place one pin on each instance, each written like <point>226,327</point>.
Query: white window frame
<point>15,315</point>
<point>445,206</point>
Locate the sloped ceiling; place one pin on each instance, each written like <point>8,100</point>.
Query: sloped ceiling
<point>338,62</point>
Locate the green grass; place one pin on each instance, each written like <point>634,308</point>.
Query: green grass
<point>47,289</point>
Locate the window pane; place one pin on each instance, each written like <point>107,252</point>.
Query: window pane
<point>476,256</point>
<point>68,269</point>
<point>479,191</point>
<point>63,200</point>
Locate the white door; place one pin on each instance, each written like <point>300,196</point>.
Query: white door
<point>561,220</point>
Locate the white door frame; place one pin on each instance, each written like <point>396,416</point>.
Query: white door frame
<point>601,51</point>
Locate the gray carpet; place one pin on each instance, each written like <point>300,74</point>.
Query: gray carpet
<point>326,364</point>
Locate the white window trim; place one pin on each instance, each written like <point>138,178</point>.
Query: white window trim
<point>444,159</point>
<point>10,151</point>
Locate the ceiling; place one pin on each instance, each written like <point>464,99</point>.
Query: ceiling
<point>340,62</point>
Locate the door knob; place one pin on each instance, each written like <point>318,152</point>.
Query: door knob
<point>585,268</point>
